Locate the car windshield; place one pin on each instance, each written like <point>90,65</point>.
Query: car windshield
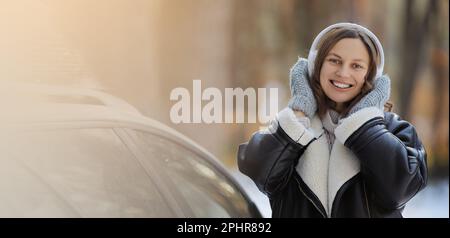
<point>204,189</point>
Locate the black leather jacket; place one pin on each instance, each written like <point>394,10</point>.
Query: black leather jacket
<point>393,170</point>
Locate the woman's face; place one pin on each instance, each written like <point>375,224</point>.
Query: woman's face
<point>343,72</point>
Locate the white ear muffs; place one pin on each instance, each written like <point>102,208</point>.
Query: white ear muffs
<point>311,60</point>
<point>313,50</point>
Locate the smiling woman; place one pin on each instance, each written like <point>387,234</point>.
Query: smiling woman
<point>321,156</point>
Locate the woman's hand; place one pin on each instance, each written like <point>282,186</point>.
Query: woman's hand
<point>301,92</point>
<point>377,97</point>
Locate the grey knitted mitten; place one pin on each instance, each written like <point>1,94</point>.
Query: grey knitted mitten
<point>302,96</point>
<point>377,97</point>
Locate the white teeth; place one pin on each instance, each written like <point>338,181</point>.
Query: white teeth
<point>340,85</point>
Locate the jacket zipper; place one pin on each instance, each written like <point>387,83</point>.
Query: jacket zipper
<point>318,209</point>
<point>367,201</point>
<point>343,188</point>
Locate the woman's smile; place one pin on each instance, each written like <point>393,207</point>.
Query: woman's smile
<point>341,86</point>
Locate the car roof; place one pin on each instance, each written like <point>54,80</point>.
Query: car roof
<point>96,110</point>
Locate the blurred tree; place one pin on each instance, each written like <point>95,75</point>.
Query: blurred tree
<point>416,33</point>
<point>439,142</point>
<point>424,77</point>
<point>439,63</point>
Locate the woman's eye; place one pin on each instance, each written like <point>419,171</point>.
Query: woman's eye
<point>357,66</point>
<point>334,61</point>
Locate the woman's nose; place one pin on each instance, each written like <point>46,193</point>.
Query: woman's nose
<point>343,72</point>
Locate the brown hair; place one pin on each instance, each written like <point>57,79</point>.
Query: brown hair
<point>325,45</point>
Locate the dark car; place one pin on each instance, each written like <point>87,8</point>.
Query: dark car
<point>84,153</point>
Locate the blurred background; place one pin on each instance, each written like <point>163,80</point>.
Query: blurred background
<point>140,50</point>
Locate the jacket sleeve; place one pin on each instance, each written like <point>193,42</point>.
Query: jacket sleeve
<point>393,159</point>
<point>270,157</point>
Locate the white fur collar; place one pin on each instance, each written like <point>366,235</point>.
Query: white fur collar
<point>324,172</point>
